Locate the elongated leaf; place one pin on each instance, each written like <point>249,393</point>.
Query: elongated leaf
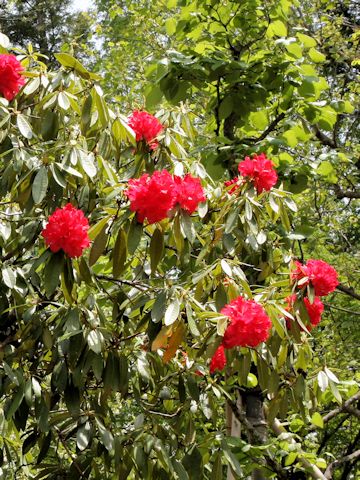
<point>156,249</point>
<point>174,342</point>
<point>24,126</point>
<point>40,185</point>
<point>98,246</point>
<point>87,163</point>
<point>172,312</point>
<point>119,253</point>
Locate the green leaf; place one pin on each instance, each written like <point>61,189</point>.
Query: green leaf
<point>119,253</point>
<point>317,420</point>
<point>156,249</point>
<point>159,307</point>
<point>52,272</point>
<point>87,163</point>
<point>63,101</point>
<point>95,340</point>
<point>277,28</point>
<point>9,277</point>
<point>24,126</point>
<point>72,400</point>
<point>226,107</point>
<point>316,56</point>
<point>172,312</point>
<point>4,41</point>
<point>187,226</point>
<point>307,41</point>
<point>83,436</point>
<point>40,185</point>
<point>68,61</point>
<point>290,459</point>
<point>98,246</point>
<point>49,126</point>
<point>32,86</point>
<point>96,229</point>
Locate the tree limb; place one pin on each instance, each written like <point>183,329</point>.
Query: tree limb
<point>345,193</point>
<point>348,290</point>
<point>313,470</point>
<point>348,458</point>
<point>324,139</point>
<point>345,407</point>
<point>266,132</point>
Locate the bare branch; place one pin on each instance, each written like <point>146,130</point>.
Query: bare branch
<point>345,193</point>
<point>348,458</point>
<point>313,470</point>
<point>345,407</point>
<point>324,139</point>
<point>348,290</point>
<point>266,132</point>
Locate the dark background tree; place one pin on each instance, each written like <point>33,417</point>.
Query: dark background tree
<point>46,24</point>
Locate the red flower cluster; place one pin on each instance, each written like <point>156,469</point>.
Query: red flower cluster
<point>146,127</point>
<point>153,197</point>
<point>249,324</point>
<point>218,361</point>
<point>322,276</point>
<point>10,76</point>
<point>314,309</point>
<point>233,182</point>
<point>259,170</point>
<point>67,230</point>
<point>189,193</point>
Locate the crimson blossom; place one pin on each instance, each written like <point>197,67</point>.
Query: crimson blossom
<point>322,276</point>
<point>189,193</point>
<point>146,127</point>
<point>11,79</point>
<point>314,310</point>
<point>152,196</point>
<point>234,182</point>
<point>218,361</point>
<point>259,170</point>
<point>249,324</point>
<point>67,230</point>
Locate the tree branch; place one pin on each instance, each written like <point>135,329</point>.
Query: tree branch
<point>324,139</point>
<point>348,290</point>
<point>266,132</point>
<point>345,193</point>
<point>348,458</point>
<point>345,407</point>
<point>313,470</point>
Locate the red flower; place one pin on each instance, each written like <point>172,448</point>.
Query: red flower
<point>146,127</point>
<point>260,170</point>
<point>249,324</point>
<point>218,361</point>
<point>234,182</point>
<point>314,309</point>
<point>152,196</point>
<point>10,76</point>
<point>189,193</point>
<point>67,230</point>
<point>322,276</point>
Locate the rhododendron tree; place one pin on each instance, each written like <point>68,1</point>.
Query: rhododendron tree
<point>143,306</point>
